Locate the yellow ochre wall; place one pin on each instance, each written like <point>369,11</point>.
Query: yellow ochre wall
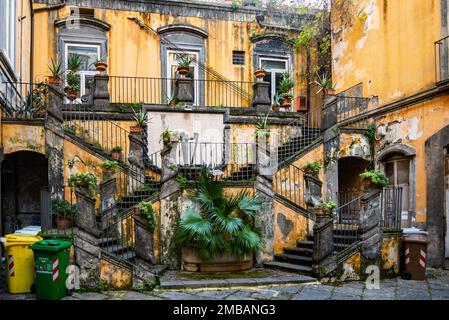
<point>133,51</point>
<point>389,47</point>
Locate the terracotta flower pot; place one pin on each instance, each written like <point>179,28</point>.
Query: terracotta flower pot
<point>366,183</point>
<point>276,108</point>
<point>309,171</point>
<point>260,74</point>
<point>63,222</point>
<point>329,91</point>
<point>71,94</point>
<point>116,155</point>
<point>319,211</point>
<point>135,129</point>
<point>54,80</point>
<point>183,70</point>
<point>101,66</point>
<point>286,103</point>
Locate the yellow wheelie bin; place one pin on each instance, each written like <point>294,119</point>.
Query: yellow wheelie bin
<point>19,262</point>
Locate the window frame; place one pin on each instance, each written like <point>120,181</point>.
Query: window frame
<point>82,73</point>
<point>275,71</point>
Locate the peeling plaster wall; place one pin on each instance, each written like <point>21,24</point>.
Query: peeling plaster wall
<point>389,47</point>
<point>390,253</point>
<point>413,126</point>
<point>289,227</point>
<point>18,137</point>
<point>116,277</point>
<point>354,145</point>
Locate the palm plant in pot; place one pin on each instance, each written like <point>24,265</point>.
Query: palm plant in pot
<point>72,77</point>
<point>218,233</point>
<point>101,64</point>
<point>277,103</point>
<point>184,62</point>
<point>63,213</point>
<point>56,71</point>
<point>285,88</point>
<point>140,119</point>
<point>324,82</point>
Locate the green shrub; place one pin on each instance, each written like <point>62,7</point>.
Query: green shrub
<point>86,180</point>
<point>377,178</point>
<point>61,207</point>
<point>327,206</point>
<point>109,166</point>
<point>147,211</point>
<point>314,166</point>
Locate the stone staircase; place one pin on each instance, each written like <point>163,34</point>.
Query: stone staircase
<point>295,145</point>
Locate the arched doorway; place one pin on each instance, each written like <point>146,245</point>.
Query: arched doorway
<point>350,186</point>
<point>24,178</point>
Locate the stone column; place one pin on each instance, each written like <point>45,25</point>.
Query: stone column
<point>185,91</point>
<point>261,98</point>
<point>313,196</point>
<point>136,162</point>
<point>263,187</point>
<point>370,224</point>
<point>54,141</point>
<point>323,245</point>
<point>100,91</point>
<point>169,211</point>
<point>329,112</point>
<point>107,195</point>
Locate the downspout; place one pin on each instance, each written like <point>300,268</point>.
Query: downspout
<point>32,43</point>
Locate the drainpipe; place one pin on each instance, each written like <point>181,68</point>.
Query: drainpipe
<point>31,42</point>
<point>51,7</point>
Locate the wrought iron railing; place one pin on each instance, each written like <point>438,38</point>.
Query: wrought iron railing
<point>347,221</point>
<point>58,211</point>
<point>207,93</point>
<point>21,100</point>
<point>289,183</point>
<point>348,112</point>
<point>442,60</point>
<point>102,135</point>
<point>299,134</point>
<point>391,208</point>
<point>228,161</point>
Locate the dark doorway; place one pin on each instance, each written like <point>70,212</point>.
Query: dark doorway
<point>24,177</point>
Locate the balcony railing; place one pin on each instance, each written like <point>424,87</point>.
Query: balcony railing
<point>207,93</point>
<point>21,100</point>
<point>442,60</point>
<point>347,111</point>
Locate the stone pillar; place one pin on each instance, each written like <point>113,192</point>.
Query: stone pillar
<point>107,195</point>
<point>185,91</point>
<point>312,196</point>
<point>143,245</point>
<point>329,112</point>
<point>169,211</point>
<point>370,223</point>
<point>263,187</point>
<point>85,212</point>
<point>54,141</point>
<point>136,162</point>
<point>323,245</point>
<point>261,98</point>
<point>100,91</point>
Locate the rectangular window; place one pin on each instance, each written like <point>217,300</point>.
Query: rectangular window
<point>398,173</point>
<point>238,57</point>
<point>89,53</point>
<point>274,67</point>
<point>8,16</point>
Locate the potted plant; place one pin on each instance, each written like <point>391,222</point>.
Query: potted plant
<point>116,152</point>
<point>144,223</point>
<point>260,73</point>
<point>373,177</point>
<point>140,120</point>
<point>285,87</point>
<point>325,208</point>
<point>101,65</point>
<point>171,100</point>
<point>324,82</point>
<point>63,212</point>
<point>219,233</point>
<point>168,138</point>
<point>73,79</point>
<point>184,62</point>
<point>56,71</point>
<point>85,181</point>
<point>277,103</point>
<point>312,168</point>
<point>262,126</point>
<point>109,169</point>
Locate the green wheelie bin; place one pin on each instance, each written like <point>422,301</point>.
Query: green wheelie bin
<point>51,260</point>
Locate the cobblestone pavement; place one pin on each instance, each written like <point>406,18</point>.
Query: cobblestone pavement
<point>436,287</point>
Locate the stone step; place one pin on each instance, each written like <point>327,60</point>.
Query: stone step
<point>293,258</point>
<point>299,251</point>
<point>116,248</point>
<point>288,267</point>
<point>343,237</point>
<point>305,244</point>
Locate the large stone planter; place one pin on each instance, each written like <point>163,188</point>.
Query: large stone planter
<point>143,245</point>
<point>85,217</point>
<point>191,261</point>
